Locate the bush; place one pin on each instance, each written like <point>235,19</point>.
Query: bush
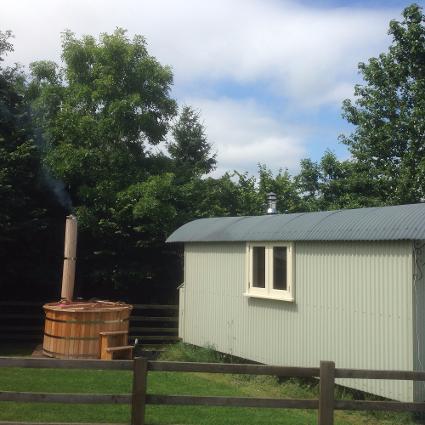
<point>182,352</point>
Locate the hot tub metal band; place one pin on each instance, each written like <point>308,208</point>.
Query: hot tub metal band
<point>85,338</point>
<point>64,355</point>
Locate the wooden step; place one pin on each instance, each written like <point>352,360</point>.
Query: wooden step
<point>120,352</point>
<point>113,344</point>
<point>122,348</point>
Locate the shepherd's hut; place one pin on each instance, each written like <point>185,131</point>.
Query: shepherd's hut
<point>294,289</point>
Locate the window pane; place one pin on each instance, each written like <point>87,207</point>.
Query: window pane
<point>279,268</point>
<point>259,266</point>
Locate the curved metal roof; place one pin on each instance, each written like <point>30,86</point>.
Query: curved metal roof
<point>402,222</point>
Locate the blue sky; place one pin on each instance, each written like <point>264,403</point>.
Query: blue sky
<point>268,76</point>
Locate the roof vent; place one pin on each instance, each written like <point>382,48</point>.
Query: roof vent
<point>271,203</point>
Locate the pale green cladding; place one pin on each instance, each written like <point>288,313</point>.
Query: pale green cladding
<point>353,305</point>
<point>418,286</point>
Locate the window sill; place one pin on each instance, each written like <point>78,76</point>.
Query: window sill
<point>269,297</point>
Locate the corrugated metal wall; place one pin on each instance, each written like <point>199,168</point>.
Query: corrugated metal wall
<point>353,305</point>
<point>419,316</point>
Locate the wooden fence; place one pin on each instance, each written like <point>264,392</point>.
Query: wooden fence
<point>153,324</point>
<point>326,404</point>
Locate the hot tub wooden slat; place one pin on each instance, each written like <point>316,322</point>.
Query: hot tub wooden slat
<point>73,332</point>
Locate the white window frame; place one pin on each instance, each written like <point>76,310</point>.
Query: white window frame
<point>269,292</point>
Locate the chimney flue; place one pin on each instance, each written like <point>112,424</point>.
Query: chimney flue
<point>70,254</point>
<point>271,203</point>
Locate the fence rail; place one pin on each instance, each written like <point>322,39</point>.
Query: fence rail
<point>155,324</point>
<point>138,399</point>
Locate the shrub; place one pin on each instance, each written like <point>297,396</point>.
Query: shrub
<point>182,352</point>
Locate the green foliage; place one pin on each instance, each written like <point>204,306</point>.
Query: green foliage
<point>239,194</point>
<point>229,195</point>
<point>283,185</point>
<point>190,149</point>
<point>332,184</point>
<point>23,200</point>
<point>308,182</point>
<point>100,112</point>
<point>18,156</point>
<point>5,45</point>
<point>388,114</point>
<point>98,116</point>
<point>182,352</point>
<point>149,207</point>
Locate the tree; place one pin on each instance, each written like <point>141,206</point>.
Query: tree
<point>331,184</point>
<point>344,184</point>
<point>18,156</point>
<point>99,115</point>
<point>100,112</point>
<point>308,184</point>
<point>239,194</point>
<point>388,143</point>
<point>282,185</point>
<point>190,149</point>
<point>27,214</point>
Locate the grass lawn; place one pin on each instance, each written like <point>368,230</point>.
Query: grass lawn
<point>40,380</point>
<point>119,382</point>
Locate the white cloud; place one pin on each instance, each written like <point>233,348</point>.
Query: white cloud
<point>244,135</point>
<point>306,56</point>
<point>305,53</point>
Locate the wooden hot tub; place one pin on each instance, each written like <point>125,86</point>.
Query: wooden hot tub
<point>71,329</point>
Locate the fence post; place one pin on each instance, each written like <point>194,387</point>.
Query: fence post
<point>326,396</point>
<point>138,401</point>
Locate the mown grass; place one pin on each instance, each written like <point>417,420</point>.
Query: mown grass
<point>119,382</point>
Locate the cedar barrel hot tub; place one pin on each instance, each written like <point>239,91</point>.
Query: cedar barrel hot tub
<point>71,329</point>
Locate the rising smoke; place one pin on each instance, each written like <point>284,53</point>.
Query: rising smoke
<point>59,190</point>
<point>56,186</point>
<point>62,195</point>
